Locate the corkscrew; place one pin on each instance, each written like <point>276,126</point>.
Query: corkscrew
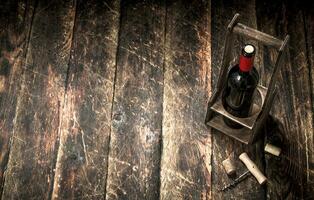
<point>236,181</point>
<point>251,169</point>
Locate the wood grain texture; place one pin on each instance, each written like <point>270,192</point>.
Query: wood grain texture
<point>289,176</point>
<point>303,89</point>
<point>134,157</point>
<point>279,183</point>
<point>129,101</point>
<point>309,30</point>
<point>32,158</point>
<point>186,152</point>
<point>223,146</point>
<point>81,168</point>
<point>15,23</point>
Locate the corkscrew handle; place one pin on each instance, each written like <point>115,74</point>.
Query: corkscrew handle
<point>251,166</point>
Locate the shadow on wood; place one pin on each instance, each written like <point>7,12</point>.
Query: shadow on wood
<point>285,173</point>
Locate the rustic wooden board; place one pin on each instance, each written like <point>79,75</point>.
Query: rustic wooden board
<point>32,158</point>
<point>223,146</point>
<point>292,127</point>
<point>134,156</point>
<point>14,30</point>
<point>186,152</point>
<point>309,27</point>
<point>81,168</point>
<point>15,23</point>
<point>271,22</point>
<point>163,81</point>
<point>302,91</point>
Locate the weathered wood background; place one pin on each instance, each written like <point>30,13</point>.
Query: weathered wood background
<point>107,99</point>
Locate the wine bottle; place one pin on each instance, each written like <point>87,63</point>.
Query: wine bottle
<point>242,80</point>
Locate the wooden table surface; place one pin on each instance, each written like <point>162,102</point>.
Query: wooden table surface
<point>108,100</point>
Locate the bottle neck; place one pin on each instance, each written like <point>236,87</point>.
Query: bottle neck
<point>246,63</point>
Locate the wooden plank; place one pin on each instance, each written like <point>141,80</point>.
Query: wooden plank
<point>81,168</point>
<point>309,28</point>
<point>270,22</point>
<point>31,164</point>
<point>15,23</point>
<point>293,111</point>
<point>134,156</point>
<point>223,146</point>
<point>186,152</point>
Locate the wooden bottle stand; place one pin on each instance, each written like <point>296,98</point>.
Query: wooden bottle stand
<point>216,112</point>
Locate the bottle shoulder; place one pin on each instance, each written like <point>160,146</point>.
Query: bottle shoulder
<point>243,80</point>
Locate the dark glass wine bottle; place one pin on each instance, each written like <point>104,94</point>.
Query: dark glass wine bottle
<point>242,80</point>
